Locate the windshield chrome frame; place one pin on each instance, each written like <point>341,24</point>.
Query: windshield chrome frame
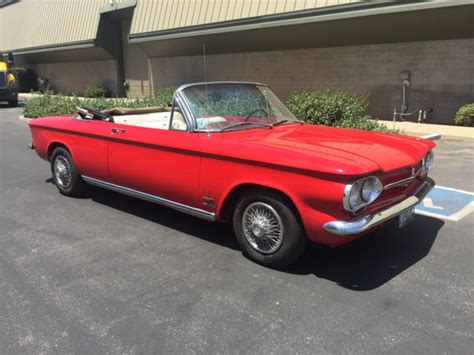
<point>178,99</point>
<point>190,119</point>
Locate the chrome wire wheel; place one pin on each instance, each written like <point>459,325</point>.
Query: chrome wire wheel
<point>62,171</point>
<point>262,227</point>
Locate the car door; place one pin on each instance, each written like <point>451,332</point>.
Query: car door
<point>161,162</point>
<point>88,143</point>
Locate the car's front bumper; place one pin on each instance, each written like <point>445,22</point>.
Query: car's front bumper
<point>363,224</point>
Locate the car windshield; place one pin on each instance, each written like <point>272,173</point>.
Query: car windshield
<point>231,106</point>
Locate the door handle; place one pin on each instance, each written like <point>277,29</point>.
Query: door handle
<point>117,130</point>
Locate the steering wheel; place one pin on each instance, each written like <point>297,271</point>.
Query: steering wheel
<point>255,111</point>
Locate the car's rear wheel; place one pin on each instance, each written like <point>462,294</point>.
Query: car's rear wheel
<point>268,229</point>
<point>65,174</point>
<point>13,103</point>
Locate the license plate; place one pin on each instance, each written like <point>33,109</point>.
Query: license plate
<point>406,217</point>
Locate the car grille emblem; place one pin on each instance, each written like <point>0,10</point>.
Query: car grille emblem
<point>413,169</point>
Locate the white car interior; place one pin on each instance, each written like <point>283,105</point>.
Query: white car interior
<point>150,117</point>
<point>158,120</point>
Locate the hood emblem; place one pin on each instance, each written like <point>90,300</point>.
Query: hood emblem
<point>413,170</point>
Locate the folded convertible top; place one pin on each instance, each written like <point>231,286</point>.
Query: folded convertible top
<point>118,111</point>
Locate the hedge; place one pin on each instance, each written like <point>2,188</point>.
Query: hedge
<point>465,116</point>
<point>324,107</point>
<point>333,108</point>
<point>53,105</point>
<point>96,92</point>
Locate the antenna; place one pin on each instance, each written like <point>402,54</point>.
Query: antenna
<point>205,81</point>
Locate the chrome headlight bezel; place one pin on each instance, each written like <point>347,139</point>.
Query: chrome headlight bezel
<point>361,193</point>
<point>427,161</point>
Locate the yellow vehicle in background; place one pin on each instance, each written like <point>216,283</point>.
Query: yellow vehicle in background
<point>8,83</point>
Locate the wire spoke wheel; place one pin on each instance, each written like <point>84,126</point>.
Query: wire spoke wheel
<point>62,171</point>
<point>262,227</point>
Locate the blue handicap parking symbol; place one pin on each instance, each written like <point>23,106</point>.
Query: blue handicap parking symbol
<point>447,203</point>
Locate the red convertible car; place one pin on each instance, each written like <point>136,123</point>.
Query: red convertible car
<point>231,151</point>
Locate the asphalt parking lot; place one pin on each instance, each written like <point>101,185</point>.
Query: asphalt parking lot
<point>108,273</point>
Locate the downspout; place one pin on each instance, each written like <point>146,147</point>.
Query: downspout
<point>120,61</point>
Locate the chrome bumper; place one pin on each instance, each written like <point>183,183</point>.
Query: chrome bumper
<point>367,222</point>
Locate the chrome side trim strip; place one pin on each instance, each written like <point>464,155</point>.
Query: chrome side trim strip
<point>403,181</point>
<point>399,183</point>
<point>193,211</point>
<point>202,83</point>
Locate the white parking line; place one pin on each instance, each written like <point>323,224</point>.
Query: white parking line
<point>453,189</point>
<point>454,217</point>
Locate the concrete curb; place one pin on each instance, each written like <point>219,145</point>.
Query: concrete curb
<point>22,96</point>
<point>26,96</point>
<point>431,130</point>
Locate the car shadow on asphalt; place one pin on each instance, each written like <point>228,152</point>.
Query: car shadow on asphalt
<point>361,265</point>
<point>374,259</point>
<point>218,233</point>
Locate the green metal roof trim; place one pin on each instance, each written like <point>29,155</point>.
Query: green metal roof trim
<point>333,13</point>
<point>55,47</point>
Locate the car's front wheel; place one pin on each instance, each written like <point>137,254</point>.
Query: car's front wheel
<point>65,174</point>
<point>268,229</point>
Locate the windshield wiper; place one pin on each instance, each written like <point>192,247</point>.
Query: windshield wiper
<point>277,123</point>
<point>246,124</point>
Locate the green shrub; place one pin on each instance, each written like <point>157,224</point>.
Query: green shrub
<point>48,105</point>
<point>53,105</point>
<point>465,116</point>
<point>96,92</point>
<point>332,108</point>
<point>163,97</point>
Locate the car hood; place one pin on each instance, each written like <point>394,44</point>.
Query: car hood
<point>317,148</point>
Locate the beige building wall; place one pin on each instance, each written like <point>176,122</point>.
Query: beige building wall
<point>153,15</point>
<point>35,23</point>
<point>74,77</point>
<point>442,73</point>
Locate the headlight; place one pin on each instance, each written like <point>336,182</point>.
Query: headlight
<point>361,193</point>
<point>371,189</point>
<point>428,161</point>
